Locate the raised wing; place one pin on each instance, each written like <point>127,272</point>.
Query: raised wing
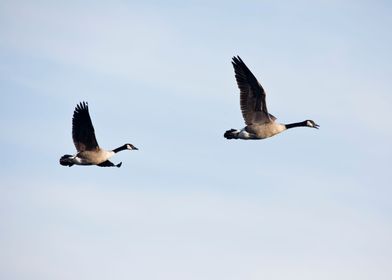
<point>252,95</point>
<point>82,129</point>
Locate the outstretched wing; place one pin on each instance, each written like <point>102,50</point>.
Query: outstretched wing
<point>108,163</point>
<point>252,95</point>
<point>82,129</point>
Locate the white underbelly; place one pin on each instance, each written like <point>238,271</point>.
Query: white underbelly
<point>92,157</point>
<point>262,131</point>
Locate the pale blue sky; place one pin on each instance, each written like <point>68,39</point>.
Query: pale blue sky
<point>189,204</point>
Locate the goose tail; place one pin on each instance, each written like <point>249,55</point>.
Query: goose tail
<point>66,160</point>
<point>231,134</point>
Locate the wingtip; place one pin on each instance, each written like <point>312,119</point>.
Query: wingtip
<point>82,105</point>
<point>85,104</point>
<point>236,60</point>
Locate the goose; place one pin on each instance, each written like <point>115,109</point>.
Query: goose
<point>259,123</point>
<point>88,150</point>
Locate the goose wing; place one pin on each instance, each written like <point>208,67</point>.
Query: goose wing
<point>252,95</point>
<point>108,163</point>
<point>82,129</point>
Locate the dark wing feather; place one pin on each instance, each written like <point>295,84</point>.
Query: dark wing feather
<point>252,95</point>
<point>82,129</point>
<point>108,163</point>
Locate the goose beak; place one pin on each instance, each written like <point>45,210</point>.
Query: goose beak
<point>134,148</point>
<point>316,126</point>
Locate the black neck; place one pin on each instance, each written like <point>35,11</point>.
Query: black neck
<point>297,124</point>
<point>119,149</point>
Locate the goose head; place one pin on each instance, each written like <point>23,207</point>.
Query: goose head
<point>310,123</point>
<point>130,147</point>
<point>125,147</point>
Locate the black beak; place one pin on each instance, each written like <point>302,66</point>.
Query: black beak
<point>134,148</point>
<point>316,126</point>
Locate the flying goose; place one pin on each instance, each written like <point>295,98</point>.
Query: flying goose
<point>259,123</point>
<point>88,151</point>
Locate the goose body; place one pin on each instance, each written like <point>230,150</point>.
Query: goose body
<point>92,157</point>
<point>88,150</point>
<point>259,123</point>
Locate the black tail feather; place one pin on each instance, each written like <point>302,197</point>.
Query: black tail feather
<point>231,134</point>
<point>65,160</point>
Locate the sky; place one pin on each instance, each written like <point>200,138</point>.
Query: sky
<point>189,204</point>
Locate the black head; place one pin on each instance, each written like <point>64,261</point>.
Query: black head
<point>130,147</point>
<point>310,123</point>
